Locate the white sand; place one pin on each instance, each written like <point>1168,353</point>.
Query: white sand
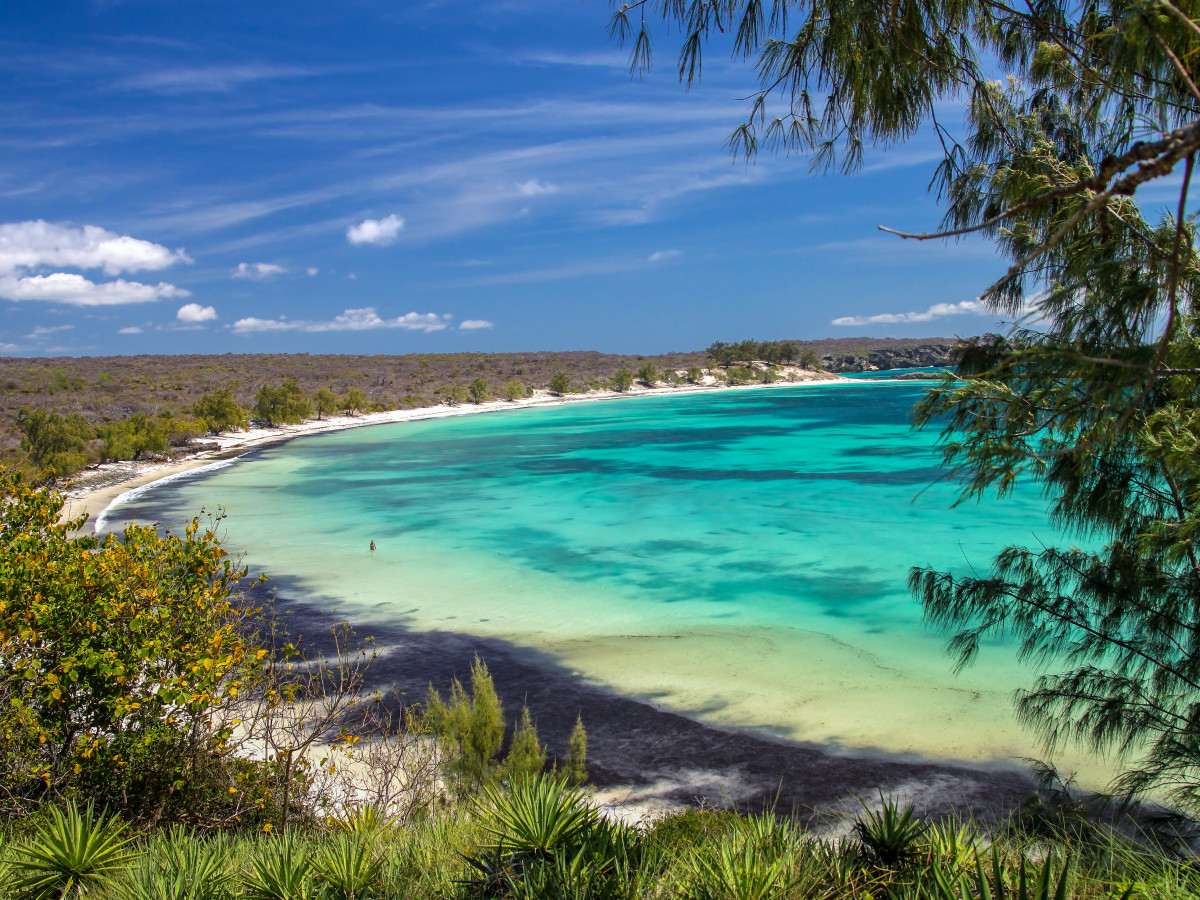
<point>97,488</point>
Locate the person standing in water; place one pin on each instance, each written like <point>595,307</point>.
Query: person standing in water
<point>372,546</point>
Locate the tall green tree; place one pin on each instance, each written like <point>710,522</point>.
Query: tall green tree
<point>622,379</point>
<point>1071,110</point>
<point>478,390</point>
<point>282,404</point>
<point>325,402</point>
<point>55,442</point>
<point>220,412</point>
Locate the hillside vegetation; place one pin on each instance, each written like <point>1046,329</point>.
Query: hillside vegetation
<point>120,407</point>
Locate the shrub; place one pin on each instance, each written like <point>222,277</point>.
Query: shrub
<point>55,443</point>
<point>72,853</point>
<point>514,390</point>
<point>560,383</point>
<point>284,404</point>
<point>648,374</point>
<point>622,380</point>
<point>117,655</point>
<point>325,402</point>
<point>220,412</point>
<point>478,390</point>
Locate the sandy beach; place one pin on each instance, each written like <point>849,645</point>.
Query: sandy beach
<point>94,489</point>
<point>642,755</point>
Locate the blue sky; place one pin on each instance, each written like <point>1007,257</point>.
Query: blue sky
<point>408,176</point>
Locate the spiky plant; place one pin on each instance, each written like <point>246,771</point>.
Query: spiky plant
<point>281,870</point>
<point>348,867</point>
<point>72,854</point>
<point>890,835</point>
<point>538,815</point>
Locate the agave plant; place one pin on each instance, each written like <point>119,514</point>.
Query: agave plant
<point>741,869</point>
<point>281,871</point>
<point>1021,884</point>
<point>367,819</point>
<point>538,815</point>
<point>183,867</point>
<point>348,868</point>
<point>72,854</point>
<point>891,835</point>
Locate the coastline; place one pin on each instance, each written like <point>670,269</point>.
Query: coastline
<point>94,490</point>
<point>644,757</point>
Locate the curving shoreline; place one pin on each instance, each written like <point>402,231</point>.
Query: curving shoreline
<point>643,754</point>
<point>94,490</point>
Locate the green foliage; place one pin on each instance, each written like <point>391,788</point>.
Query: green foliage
<point>891,836</point>
<point>694,375</point>
<point>455,394</point>
<point>1072,109</point>
<point>575,770</point>
<point>130,438</point>
<point>354,401</point>
<point>536,816</point>
<point>648,374</point>
<point>220,412</point>
<point>325,402</point>
<point>688,828</point>
<point>526,757</point>
<point>348,867</point>
<point>560,383</point>
<point>514,390</point>
<point>55,443</point>
<point>281,870</point>
<point>117,653</point>
<point>72,853</point>
<point>622,380</point>
<point>472,728</point>
<point>757,860</point>
<point>740,375</point>
<point>182,867</point>
<point>284,404</point>
<point>810,360</point>
<point>478,390</point>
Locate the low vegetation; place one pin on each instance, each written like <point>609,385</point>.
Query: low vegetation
<point>541,838</point>
<point>62,414</point>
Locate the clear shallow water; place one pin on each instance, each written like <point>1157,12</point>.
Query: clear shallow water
<point>739,556</point>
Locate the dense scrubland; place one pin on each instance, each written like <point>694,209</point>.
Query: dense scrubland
<point>64,413</point>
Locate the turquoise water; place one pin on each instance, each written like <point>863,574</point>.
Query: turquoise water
<point>739,556</point>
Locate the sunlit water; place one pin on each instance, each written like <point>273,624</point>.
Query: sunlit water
<point>738,556</point>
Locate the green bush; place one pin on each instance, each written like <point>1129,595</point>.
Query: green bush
<point>72,853</point>
<point>55,443</point>
<point>220,412</point>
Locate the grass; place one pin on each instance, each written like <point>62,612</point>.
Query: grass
<point>694,855</point>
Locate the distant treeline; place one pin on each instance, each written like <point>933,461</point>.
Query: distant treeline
<point>68,412</point>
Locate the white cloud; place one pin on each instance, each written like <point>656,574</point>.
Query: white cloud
<point>257,271</point>
<point>375,231</point>
<point>660,255</point>
<point>132,329</point>
<point>193,313</point>
<point>6,347</point>
<point>42,330</point>
<point>311,271</point>
<point>365,319</point>
<point>36,244</point>
<point>473,324</point>
<point>937,311</point>
<point>63,287</point>
<point>534,188</point>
